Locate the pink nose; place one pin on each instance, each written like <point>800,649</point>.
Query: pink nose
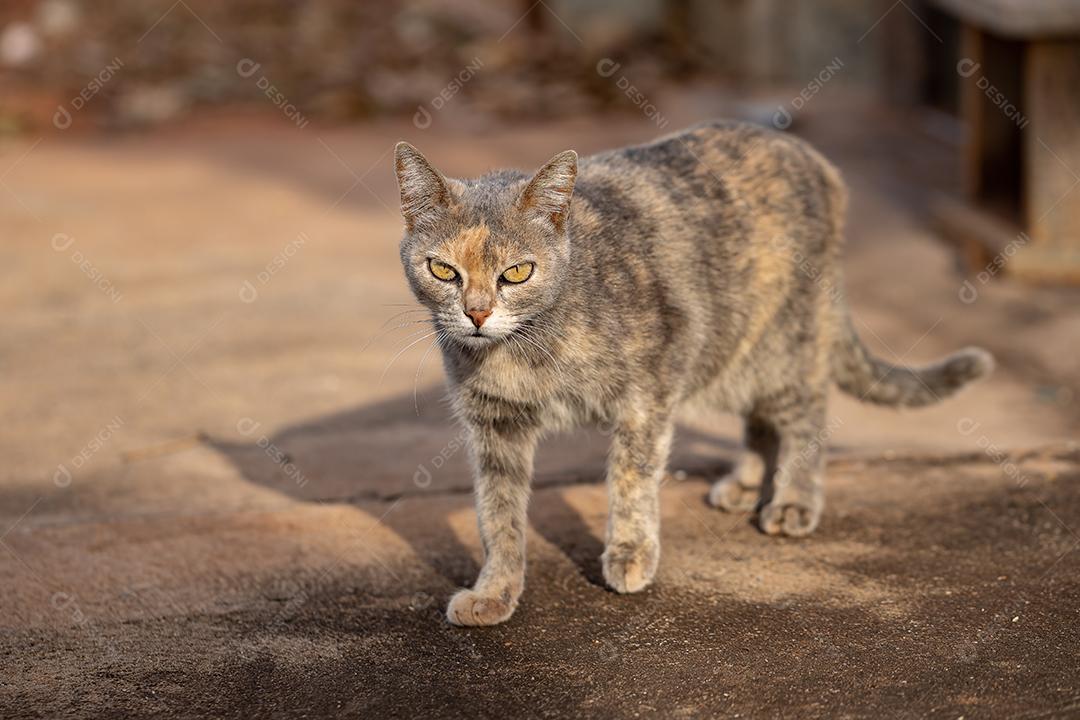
<point>478,316</point>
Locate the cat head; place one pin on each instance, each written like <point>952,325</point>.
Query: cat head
<point>485,255</point>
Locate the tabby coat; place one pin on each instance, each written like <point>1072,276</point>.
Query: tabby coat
<point>703,266</point>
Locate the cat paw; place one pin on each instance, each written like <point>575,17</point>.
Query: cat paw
<point>470,608</point>
<point>729,494</point>
<point>740,489</point>
<point>789,518</point>
<point>630,569</point>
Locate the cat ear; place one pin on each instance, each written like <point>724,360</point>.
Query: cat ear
<point>546,198</point>
<point>425,193</point>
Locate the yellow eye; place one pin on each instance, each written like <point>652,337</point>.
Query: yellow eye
<point>518,273</point>
<point>442,270</point>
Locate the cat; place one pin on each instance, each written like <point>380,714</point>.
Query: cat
<point>702,266</point>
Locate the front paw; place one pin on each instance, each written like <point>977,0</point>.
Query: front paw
<point>471,608</point>
<point>628,569</point>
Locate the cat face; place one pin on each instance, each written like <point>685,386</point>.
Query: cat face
<point>484,256</point>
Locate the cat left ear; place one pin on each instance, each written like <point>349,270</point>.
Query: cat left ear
<point>425,193</point>
<point>546,198</point>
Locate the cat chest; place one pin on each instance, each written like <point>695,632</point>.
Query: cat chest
<point>563,404</point>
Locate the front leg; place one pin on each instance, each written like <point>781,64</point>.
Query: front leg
<point>502,444</point>
<point>639,453</point>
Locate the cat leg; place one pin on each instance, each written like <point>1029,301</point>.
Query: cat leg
<point>794,498</point>
<point>740,489</point>
<point>503,453</point>
<point>639,452</point>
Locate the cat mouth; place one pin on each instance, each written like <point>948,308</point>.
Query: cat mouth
<point>478,339</point>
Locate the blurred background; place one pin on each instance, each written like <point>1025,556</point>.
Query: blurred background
<point>215,402</point>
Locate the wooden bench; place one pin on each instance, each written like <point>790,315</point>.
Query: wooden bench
<point>1019,102</point>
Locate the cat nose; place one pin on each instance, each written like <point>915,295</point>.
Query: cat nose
<point>478,316</point>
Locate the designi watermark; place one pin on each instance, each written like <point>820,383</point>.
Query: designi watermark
<point>63,117</point>
<point>808,453</point>
<point>422,117</point>
<point>806,266</point>
<point>62,242</point>
<point>968,292</point>
<point>968,68</point>
<point>248,427</point>
<point>782,118</point>
<point>607,68</point>
<point>249,290</point>
<point>422,476</point>
<point>62,476</point>
<point>968,427</point>
<point>247,68</point>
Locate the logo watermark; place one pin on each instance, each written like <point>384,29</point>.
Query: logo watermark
<point>247,426</point>
<point>63,117</point>
<point>783,118</point>
<point>248,292</point>
<point>967,427</point>
<point>968,68</point>
<point>247,68</point>
<point>422,117</point>
<point>422,476</point>
<point>809,453</point>
<point>968,292</point>
<point>607,68</point>
<point>62,476</point>
<point>61,242</point>
<point>806,266</point>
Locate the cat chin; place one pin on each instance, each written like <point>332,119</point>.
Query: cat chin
<point>476,342</point>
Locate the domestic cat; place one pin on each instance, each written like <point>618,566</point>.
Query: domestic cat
<point>614,289</point>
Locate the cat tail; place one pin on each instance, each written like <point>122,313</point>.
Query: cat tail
<point>871,379</point>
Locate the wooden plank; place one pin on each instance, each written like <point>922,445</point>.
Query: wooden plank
<point>1018,18</point>
<point>1052,160</point>
<point>972,111</point>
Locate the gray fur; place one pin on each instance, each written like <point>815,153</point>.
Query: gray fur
<point>703,266</point>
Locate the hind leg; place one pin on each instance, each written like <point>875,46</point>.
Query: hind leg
<point>792,500</point>
<point>740,489</point>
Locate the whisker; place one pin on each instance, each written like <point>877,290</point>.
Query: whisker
<point>390,330</point>
<point>411,334</point>
<point>545,328</point>
<point>389,364</point>
<point>416,380</point>
<point>525,335</point>
<point>397,315</point>
<point>515,345</point>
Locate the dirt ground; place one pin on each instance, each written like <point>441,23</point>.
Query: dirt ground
<point>226,494</point>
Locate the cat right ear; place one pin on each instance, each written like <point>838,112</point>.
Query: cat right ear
<point>425,193</point>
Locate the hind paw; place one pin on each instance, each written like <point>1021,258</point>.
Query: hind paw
<point>740,489</point>
<point>729,494</point>
<point>789,518</point>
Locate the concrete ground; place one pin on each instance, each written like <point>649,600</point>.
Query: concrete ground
<point>225,493</point>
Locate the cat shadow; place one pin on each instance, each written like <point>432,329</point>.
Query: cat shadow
<point>390,454</point>
<point>564,527</point>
